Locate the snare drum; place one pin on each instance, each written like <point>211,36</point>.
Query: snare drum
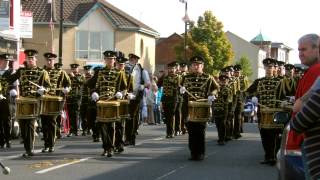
<point>267,118</point>
<point>51,105</point>
<point>198,111</point>
<point>124,108</point>
<point>27,108</point>
<point>108,111</point>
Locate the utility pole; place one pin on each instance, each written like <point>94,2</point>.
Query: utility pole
<point>61,31</point>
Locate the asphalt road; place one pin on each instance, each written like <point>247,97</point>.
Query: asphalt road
<point>153,158</point>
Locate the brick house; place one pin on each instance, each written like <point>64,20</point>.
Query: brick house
<point>90,28</point>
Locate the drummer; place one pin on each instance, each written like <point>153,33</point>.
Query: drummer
<point>265,91</point>
<point>60,85</point>
<point>107,83</point>
<point>120,125</point>
<point>199,85</point>
<point>28,77</point>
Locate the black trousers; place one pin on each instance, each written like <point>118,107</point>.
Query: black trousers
<point>132,124</point>
<point>5,122</point>
<point>91,117</point>
<point>84,115</point>
<point>107,134</point>
<point>28,127</point>
<point>73,109</point>
<point>49,130</point>
<point>119,130</point>
<point>271,142</point>
<point>230,125</point>
<point>221,127</point>
<point>237,121</point>
<point>184,115</point>
<point>197,133</point>
<point>169,114</point>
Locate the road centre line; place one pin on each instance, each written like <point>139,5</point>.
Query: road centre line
<point>62,165</point>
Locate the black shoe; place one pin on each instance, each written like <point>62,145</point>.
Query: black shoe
<point>8,145</point>
<point>69,135</point>
<point>83,134</point>
<point>109,153</point>
<point>51,150</point>
<point>266,161</point>
<point>126,143</point>
<point>89,133</point>
<point>237,136</point>
<point>272,162</point>
<point>221,143</point>
<point>104,153</point>
<point>76,134</point>
<point>228,139</point>
<point>119,149</point>
<point>200,157</point>
<point>44,150</point>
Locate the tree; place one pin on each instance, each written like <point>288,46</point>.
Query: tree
<point>207,39</point>
<point>245,65</point>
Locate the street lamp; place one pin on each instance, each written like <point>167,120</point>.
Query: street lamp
<point>186,21</point>
<point>61,31</point>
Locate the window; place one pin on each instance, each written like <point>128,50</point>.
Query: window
<point>91,45</point>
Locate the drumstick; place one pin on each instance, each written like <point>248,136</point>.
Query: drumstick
<point>35,84</point>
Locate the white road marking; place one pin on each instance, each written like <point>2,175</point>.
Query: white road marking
<point>170,172</point>
<point>19,155</point>
<point>62,165</point>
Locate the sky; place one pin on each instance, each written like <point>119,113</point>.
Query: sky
<point>280,20</point>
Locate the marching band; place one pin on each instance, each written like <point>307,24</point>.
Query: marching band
<point>108,101</point>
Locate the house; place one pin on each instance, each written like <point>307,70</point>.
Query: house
<point>165,50</point>
<point>90,27</point>
<point>243,48</point>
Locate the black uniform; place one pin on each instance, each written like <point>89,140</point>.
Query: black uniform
<point>266,91</point>
<point>58,79</point>
<point>5,117</point>
<point>74,101</point>
<point>84,103</point>
<point>200,86</point>
<point>169,101</point>
<point>221,111</point>
<point>26,75</point>
<point>107,82</point>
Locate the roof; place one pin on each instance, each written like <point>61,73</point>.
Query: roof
<point>260,38</point>
<point>75,10</point>
<point>280,45</point>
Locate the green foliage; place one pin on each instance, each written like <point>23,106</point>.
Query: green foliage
<point>245,65</point>
<point>207,39</point>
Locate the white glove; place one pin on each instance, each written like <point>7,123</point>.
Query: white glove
<point>41,90</point>
<point>182,90</point>
<point>2,97</point>
<point>254,100</point>
<point>66,90</point>
<point>283,104</point>
<point>131,96</point>
<point>118,95</point>
<point>211,98</point>
<point>141,87</point>
<point>95,96</point>
<point>292,99</point>
<point>13,93</point>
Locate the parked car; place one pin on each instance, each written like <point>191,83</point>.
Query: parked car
<point>290,163</point>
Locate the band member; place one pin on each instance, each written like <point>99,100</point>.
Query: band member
<point>288,84</point>
<point>220,108</point>
<point>120,125</point>
<point>184,104</point>
<point>74,98</point>
<point>5,94</point>
<point>265,91</point>
<point>201,86</point>
<point>140,78</point>
<point>29,76</point>
<point>92,111</point>
<point>108,83</point>
<point>280,71</point>
<point>85,100</point>
<point>60,85</point>
<point>243,85</point>
<point>169,100</point>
